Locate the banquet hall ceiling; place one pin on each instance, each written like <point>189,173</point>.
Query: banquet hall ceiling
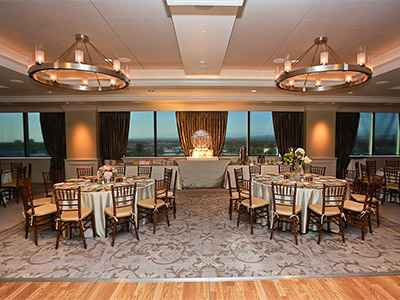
<point>165,45</point>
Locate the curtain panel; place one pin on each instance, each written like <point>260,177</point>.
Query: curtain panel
<point>53,131</point>
<point>345,139</point>
<point>288,129</point>
<point>213,122</point>
<point>114,132</point>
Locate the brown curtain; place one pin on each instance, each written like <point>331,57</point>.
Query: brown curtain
<point>288,129</point>
<point>346,134</point>
<point>114,131</point>
<point>53,131</point>
<point>213,122</point>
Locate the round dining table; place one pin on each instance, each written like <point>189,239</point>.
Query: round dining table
<point>308,192</point>
<point>98,196</point>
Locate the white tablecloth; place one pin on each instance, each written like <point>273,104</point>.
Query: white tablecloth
<point>157,172</point>
<point>265,169</point>
<point>98,201</point>
<point>202,174</point>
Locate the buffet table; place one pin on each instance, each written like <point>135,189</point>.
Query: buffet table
<point>157,172</point>
<point>265,169</point>
<point>307,192</point>
<point>202,174</point>
<point>98,196</point>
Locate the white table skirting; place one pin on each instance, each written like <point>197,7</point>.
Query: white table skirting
<point>157,172</point>
<point>265,169</point>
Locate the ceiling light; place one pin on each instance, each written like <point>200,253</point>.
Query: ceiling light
<point>323,75</point>
<point>49,92</point>
<point>16,81</point>
<point>253,91</point>
<point>382,82</point>
<point>203,31</point>
<point>278,60</point>
<point>350,93</point>
<point>70,72</point>
<point>4,87</point>
<point>125,60</point>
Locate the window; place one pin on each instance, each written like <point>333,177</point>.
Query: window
<point>262,137</point>
<point>236,133</point>
<point>168,143</point>
<point>378,134</point>
<point>36,145</point>
<point>12,134</point>
<point>141,134</point>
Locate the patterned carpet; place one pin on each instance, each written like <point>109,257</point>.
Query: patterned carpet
<point>201,242</point>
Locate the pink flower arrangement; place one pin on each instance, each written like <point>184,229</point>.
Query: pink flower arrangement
<point>106,172</point>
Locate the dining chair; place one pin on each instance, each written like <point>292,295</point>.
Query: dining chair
<point>171,195</point>
<point>377,182</point>
<point>284,208</point>
<point>365,177</point>
<point>256,207</point>
<point>48,184</point>
<point>233,195</point>
<point>371,167</point>
<point>35,215</point>
<point>83,172</point>
<point>149,207</point>
<point>1,189</point>
<point>15,168</point>
<point>28,170</point>
<point>123,209</point>
<point>317,170</point>
<point>254,170</point>
<point>330,210</point>
<point>238,174</point>
<point>71,214</point>
<point>392,181</point>
<point>285,168</point>
<point>121,170</point>
<point>392,163</point>
<point>351,177</point>
<point>12,187</point>
<point>144,171</point>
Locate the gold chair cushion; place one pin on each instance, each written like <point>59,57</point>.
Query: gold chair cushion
<point>285,210</point>
<point>42,201</point>
<point>149,203</point>
<point>256,202</point>
<point>361,198</point>
<point>124,211</point>
<point>10,185</point>
<point>44,210</point>
<point>391,186</point>
<point>235,195</point>
<point>329,211</point>
<point>170,194</point>
<point>353,206</point>
<point>50,194</point>
<point>71,216</point>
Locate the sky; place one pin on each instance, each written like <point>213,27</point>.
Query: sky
<point>11,127</point>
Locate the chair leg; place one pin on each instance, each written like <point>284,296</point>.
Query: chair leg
<point>251,220</point>
<point>341,228</point>
<point>26,226</point>
<point>35,230</point>
<point>267,209</point>
<point>82,234</point>
<point>230,208</point>
<point>106,227</point>
<point>320,232</point>
<point>174,207</point>
<point>138,217</point>
<point>166,214</point>
<point>362,228</point>
<point>134,226</point>
<point>154,221</point>
<point>114,232</point>
<point>295,230</point>
<point>93,227</point>
<point>238,220</point>
<point>59,228</point>
<point>272,229</point>
<point>377,214</point>
<point>369,223</point>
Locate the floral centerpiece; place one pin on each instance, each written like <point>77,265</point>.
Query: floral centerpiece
<point>297,159</point>
<point>106,172</point>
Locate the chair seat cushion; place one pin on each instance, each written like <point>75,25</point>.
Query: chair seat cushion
<point>329,211</point>
<point>393,186</point>
<point>235,195</point>
<point>149,203</point>
<point>49,194</point>
<point>255,202</point>
<point>71,216</point>
<point>170,194</point>
<point>361,198</point>
<point>124,211</point>
<point>44,210</point>
<point>42,201</point>
<point>286,210</point>
<point>353,206</point>
<point>10,185</point>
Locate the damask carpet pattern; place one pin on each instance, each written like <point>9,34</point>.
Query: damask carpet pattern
<point>201,242</point>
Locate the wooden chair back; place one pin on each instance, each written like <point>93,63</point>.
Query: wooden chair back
<point>16,169</point>
<point>121,170</point>
<point>174,186</point>
<point>392,175</point>
<point>68,200</point>
<point>358,171</point>
<point>228,176</point>
<point>244,189</point>
<point>25,188</point>
<point>161,188</point>
<point>284,195</point>
<point>238,173</point>
<point>144,171</point>
<point>371,167</point>
<point>28,170</point>
<point>333,196</point>
<point>168,174</point>
<point>48,184</point>
<point>392,163</point>
<point>317,170</point>
<point>285,168</point>
<point>124,196</point>
<point>82,172</point>
<point>365,174</point>
<point>254,170</point>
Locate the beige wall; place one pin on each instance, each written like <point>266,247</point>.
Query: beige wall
<point>320,132</point>
<point>81,133</point>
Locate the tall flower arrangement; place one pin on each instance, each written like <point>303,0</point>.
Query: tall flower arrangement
<point>297,158</point>
<point>106,172</point>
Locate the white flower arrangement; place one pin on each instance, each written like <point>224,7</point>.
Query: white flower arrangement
<point>106,172</point>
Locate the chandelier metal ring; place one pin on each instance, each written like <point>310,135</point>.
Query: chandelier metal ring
<point>33,70</point>
<point>365,71</point>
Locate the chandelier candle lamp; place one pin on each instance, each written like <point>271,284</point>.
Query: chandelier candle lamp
<point>71,72</point>
<point>323,76</point>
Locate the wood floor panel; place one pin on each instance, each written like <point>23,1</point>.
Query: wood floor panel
<point>44,290</point>
<point>376,287</point>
